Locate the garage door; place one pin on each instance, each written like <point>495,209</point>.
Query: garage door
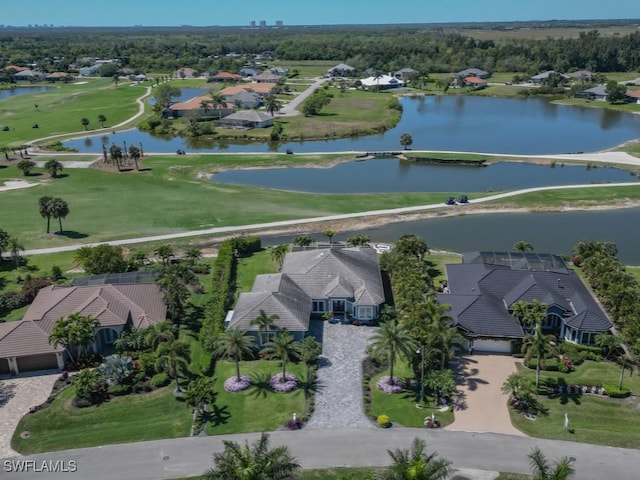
<point>492,346</point>
<point>37,362</point>
<point>4,365</point>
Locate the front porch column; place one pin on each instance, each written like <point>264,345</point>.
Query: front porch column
<point>13,365</point>
<point>60,359</point>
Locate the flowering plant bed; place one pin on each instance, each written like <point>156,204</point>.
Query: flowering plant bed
<point>386,387</point>
<point>232,384</point>
<point>277,384</point>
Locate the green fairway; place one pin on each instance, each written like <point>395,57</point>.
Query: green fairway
<point>132,418</point>
<point>593,419</point>
<point>59,111</point>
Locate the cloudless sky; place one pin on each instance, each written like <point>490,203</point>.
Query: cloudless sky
<point>302,12</point>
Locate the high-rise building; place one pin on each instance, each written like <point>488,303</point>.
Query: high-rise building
<point>263,24</point>
<point>252,24</point>
<point>279,23</point>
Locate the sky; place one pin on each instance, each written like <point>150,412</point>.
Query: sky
<point>302,12</point>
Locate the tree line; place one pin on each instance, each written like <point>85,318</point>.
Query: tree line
<point>429,50</point>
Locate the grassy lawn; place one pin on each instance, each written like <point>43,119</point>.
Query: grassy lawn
<point>132,418</point>
<point>401,407</point>
<point>60,110</point>
<point>593,419</point>
<point>249,267</point>
<point>578,197</point>
<point>168,198</point>
<point>257,409</point>
<point>437,263</point>
<point>622,107</point>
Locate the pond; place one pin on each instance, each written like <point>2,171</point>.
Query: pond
<point>451,123</point>
<point>14,92</point>
<point>393,175</point>
<point>548,232</point>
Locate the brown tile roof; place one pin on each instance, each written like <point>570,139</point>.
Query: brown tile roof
<point>16,68</point>
<point>633,93</point>
<point>474,80</point>
<point>111,305</point>
<point>194,104</point>
<point>57,75</point>
<point>227,76</point>
<point>260,88</point>
<point>18,339</point>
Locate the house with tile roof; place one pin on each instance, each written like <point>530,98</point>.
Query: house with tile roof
<point>225,77</point>
<point>247,119</point>
<point>599,93</point>
<point>24,345</point>
<point>196,106</point>
<point>483,289</point>
<point>473,72</point>
<point>344,281</point>
<point>341,70</point>
<point>267,77</point>
<point>381,82</point>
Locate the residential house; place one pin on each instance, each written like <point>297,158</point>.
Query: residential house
<point>57,76</point>
<point>633,96</point>
<point>28,75</point>
<point>15,68</point>
<point>247,119</point>
<point>343,281</point>
<point>341,70</point>
<point>244,99</point>
<point>24,345</point>
<point>581,76</point>
<point>599,93</point>
<point>225,77</point>
<point>198,106</point>
<point>541,77</point>
<point>476,82</point>
<point>89,71</point>
<point>381,82</point>
<point>406,74</point>
<point>483,289</point>
<point>249,72</point>
<point>281,72</point>
<point>267,77</point>
<point>185,73</point>
<point>262,89</point>
<point>473,72</point>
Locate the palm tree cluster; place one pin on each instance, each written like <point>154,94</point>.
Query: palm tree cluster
<point>53,207</point>
<point>75,334</point>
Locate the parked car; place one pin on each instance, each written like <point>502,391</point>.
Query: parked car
<point>450,201</point>
<point>463,199</point>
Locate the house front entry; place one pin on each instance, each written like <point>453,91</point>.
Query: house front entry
<point>338,306</point>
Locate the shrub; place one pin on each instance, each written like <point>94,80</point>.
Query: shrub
<point>614,392</point>
<point>81,402</point>
<point>290,383</point>
<point>142,387</point>
<point>147,363</point>
<point>160,380</point>
<point>384,421</point>
<point>232,384</point>
<point>117,389</point>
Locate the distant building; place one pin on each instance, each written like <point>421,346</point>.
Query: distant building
<point>252,24</point>
<point>381,82</point>
<point>279,23</point>
<point>473,72</point>
<point>599,93</point>
<point>263,24</point>
<point>341,70</point>
<point>247,119</point>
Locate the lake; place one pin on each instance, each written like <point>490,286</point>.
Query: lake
<point>553,232</point>
<point>393,175</point>
<point>14,92</point>
<point>449,123</point>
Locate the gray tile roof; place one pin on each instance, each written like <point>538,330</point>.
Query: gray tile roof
<point>276,294</point>
<point>482,294</point>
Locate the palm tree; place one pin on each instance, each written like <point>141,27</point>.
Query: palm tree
<point>116,154</point>
<point>193,254</point>
<point>273,105</point>
<point>283,347</point>
<point>415,464</point>
<point>205,106</point>
<point>542,470</point>
<point>200,392</point>
<point>75,332</point>
<point>303,240</point>
<point>406,140</point>
<point>165,252</point>
<point>539,345</point>
<point>515,385</point>
<point>390,341</point>
<point>59,210</point>
<point>310,350</point>
<point>329,234</point>
<point>173,357</point>
<point>26,166</point>
<point>218,102</point>
<point>255,462</point>
<point>116,79</point>
<point>45,203</point>
<point>265,323</point>
<point>134,152</point>
<point>15,247</point>
<point>278,253</point>
<point>163,332</point>
<point>102,119</point>
<point>523,246</point>
<point>233,344</point>
<point>358,240</point>
<point>53,166</point>
<point>85,123</point>
<point>531,314</point>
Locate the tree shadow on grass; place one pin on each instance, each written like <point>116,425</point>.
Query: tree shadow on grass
<point>217,415</point>
<point>260,387</point>
<point>311,387</point>
<point>72,234</point>
<point>33,174</point>
<point>61,175</point>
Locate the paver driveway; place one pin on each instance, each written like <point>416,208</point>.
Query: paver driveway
<point>482,407</point>
<point>17,395</point>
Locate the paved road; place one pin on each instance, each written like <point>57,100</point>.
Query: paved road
<point>165,459</point>
<point>290,109</point>
<point>328,218</point>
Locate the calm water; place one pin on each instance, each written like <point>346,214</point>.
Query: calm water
<point>392,175</point>
<point>458,123</point>
<point>555,232</point>
<point>8,93</point>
